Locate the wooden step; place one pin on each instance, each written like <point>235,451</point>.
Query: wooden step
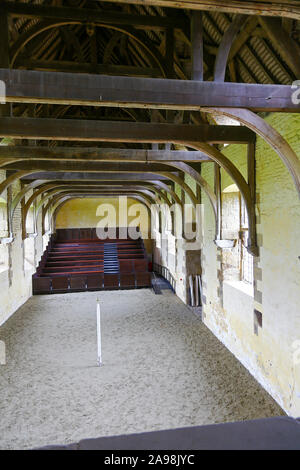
<point>75,264</point>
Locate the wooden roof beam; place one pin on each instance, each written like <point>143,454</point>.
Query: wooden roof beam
<point>93,16</point>
<point>12,153</point>
<point>114,131</point>
<point>225,46</point>
<point>91,167</point>
<point>24,86</point>
<point>282,8</point>
<point>80,67</point>
<point>86,176</point>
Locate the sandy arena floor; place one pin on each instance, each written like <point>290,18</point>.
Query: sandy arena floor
<point>162,369</point>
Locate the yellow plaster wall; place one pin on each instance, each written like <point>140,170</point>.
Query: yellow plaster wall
<point>85,213</point>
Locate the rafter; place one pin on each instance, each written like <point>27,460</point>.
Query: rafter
<point>197,46</point>
<point>288,48</point>
<point>225,46</point>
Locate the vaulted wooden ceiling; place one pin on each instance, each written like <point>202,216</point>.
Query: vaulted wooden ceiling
<point>140,39</point>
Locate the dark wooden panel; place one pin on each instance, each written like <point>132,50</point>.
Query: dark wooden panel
<point>85,233</point>
<point>94,234</point>
<point>143,279</point>
<point>74,263</point>
<point>75,233</point>
<point>95,281</point>
<point>60,283</point>
<point>41,285</point>
<point>111,281</point>
<point>127,281</point>
<point>77,282</point>
<point>141,264</point>
<point>126,266</point>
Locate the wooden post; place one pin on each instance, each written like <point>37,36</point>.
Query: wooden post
<point>197,46</point>
<point>225,47</point>
<point>252,242</point>
<point>219,202</point>
<point>4,45</point>
<point>99,343</point>
<point>251,169</point>
<point>169,56</point>
<point>4,53</point>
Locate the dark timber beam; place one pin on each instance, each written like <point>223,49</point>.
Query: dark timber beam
<point>24,86</point>
<point>242,37</point>
<point>79,67</point>
<point>197,46</point>
<point>52,188</point>
<point>96,184</point>
<point>91,167</point>
<point>12,153</point>
<point>4,57</point>
<point>4,43</point>
<point>114,131</point>
<point>284,8</point>
<point>217,187</point>
<point>225,46</point>
<point>86,176</point>
<point>94,16</point>
<point>169,52</point>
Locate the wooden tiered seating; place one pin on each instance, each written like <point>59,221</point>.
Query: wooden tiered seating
<point>77,260</point>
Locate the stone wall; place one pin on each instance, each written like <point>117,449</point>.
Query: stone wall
<point>259,324</point>
<point>23,256</point>
<point>261,328</point>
